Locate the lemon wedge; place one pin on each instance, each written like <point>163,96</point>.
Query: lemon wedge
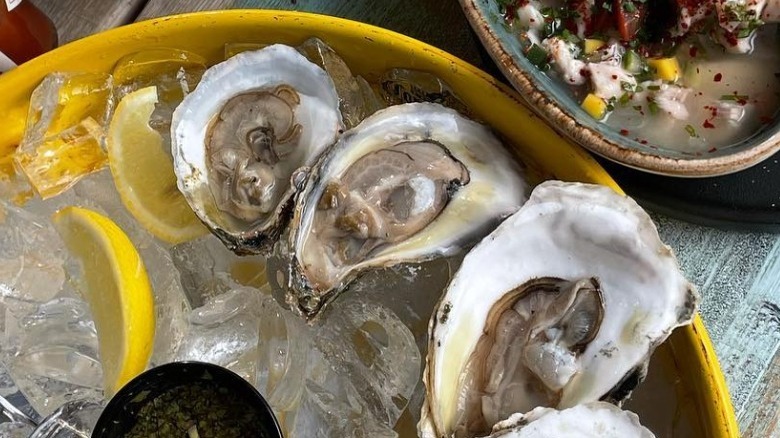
<point>117,290</point>
<point>143,172</point>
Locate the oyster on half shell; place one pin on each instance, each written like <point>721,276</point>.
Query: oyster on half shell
<point>240,137</point>
<point>409,183</point>
<point>561,305</point>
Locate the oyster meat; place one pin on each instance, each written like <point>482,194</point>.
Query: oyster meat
<point>240,137</point>
<point>561,305</point>
<point>590,420</point>
<point>407,184</point>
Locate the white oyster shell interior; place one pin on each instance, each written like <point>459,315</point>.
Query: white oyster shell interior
<point>239,137</point>
<point>562,304</point>
<point>591,420</point>
<point>409,183</point>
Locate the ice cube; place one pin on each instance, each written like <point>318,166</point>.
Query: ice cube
<point>13,404</point>
<point>225,332</point>
<point>284,343</point>
<point>207,269</point>
<point>335,409</point>
<point>372,99</point>
<point>14,187</point>
<point>174,72</point>
<point>367,343</point>
<point>64,139</point>
<point>74,419</point>
<point>53,356</point>
<point>353,105</point>
<point>401,85</point>
<point>233,49</point>
<point>31,258</point>
<point>15,430</point>
<point>398,289</point>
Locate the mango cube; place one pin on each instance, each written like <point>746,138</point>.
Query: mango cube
<point>595,106</point>
<point>667,69</point>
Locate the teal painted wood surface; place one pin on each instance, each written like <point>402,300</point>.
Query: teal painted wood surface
<point>738,273</point>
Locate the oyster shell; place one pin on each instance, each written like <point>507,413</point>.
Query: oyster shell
<point>597,419</point>
<point>409,183</point>
<point>562,304</point>
<point>240,137</point>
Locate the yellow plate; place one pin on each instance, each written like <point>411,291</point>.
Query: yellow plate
<point>370,51</point>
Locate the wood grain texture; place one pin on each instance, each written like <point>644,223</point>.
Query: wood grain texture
<point>738,274</point>
<point>78,18</point>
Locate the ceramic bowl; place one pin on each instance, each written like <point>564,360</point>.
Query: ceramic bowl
<point>555,103</point>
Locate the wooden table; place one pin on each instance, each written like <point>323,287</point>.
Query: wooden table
<point>738,273</point>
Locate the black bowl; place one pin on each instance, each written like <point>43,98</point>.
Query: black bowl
<point>203,393</point>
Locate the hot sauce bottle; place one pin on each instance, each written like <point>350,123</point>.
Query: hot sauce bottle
<point>25,32</point>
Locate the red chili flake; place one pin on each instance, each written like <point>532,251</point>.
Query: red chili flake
<point>717,77</point>
<point>712,109</point>
<point>585,72</point>
<point>614,77</point>
<point>708,125</point>
<point>643,141</point>
<point>712,149</point>
<point>624,132</point>
<point>693,51</point>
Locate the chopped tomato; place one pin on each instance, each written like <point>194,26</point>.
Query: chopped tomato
<point>629,17</point>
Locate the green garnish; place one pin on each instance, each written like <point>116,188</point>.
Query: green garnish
<point>690,130</point>
<point>652,106</point>
<point>624,98</point>
<point>536,55</point>
<point>653,87</point>
<point>611,103</point>
<point>747,18</point>
<point>629,7</point>
<point>553,20</point>
<point>569,37</point>
<point>734,97</point>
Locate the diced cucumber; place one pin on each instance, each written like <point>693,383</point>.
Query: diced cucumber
<point>632,62</point>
